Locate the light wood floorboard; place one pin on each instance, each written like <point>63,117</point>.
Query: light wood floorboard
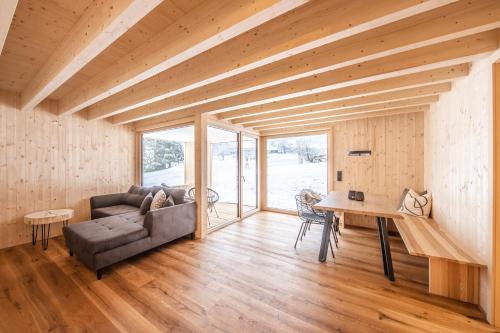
<point>246,277</point>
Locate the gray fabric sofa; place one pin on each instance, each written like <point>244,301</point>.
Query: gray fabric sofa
<point>118,230</point>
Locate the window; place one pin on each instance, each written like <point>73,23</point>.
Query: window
<point>168,157</point>
<point>293,164</point>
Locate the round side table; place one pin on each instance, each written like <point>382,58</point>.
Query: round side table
<point>44,219</point>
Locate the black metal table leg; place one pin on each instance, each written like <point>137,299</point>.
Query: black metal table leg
<point>325,240</point>
<point>34,233</point>
<point>385,248</point>
<point>45,237</point>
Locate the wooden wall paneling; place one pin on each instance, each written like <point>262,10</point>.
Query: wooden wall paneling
<point>495,283</point>
<point>47,162</point>
<point>396,161</point>
<point>459,166</point>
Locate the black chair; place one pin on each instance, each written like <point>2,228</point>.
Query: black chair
<point>310,216</point>
<point>213,198</point>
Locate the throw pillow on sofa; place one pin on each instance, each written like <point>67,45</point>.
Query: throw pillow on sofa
<point>177,194</point>
<point>146,203</point>
<point>159,200</point>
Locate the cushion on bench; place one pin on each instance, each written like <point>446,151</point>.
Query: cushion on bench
<point>113,210</point>
<point>106,233</point>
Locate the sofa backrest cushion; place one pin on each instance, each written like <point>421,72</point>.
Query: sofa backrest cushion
<point>176,193</point>
<point>133,199</point>
<point>170,201</point>
<point>134,189</point>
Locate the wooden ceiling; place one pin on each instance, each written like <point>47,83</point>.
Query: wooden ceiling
<point>273,66</point>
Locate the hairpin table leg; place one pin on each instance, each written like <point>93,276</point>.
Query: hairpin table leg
<point>34,233</point>
<point>45,237</point>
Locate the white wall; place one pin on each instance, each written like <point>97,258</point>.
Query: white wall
<point>459,167</point>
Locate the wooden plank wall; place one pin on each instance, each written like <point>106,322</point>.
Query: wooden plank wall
<point>459,165</point>
<point>397,159</point>
<point>49,162</point>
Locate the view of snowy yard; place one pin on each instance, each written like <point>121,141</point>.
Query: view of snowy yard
<point>286,178</point>
<point>164,158</point>
<point>225,180</point>
<point>294,164</point>
<point>172,177</point>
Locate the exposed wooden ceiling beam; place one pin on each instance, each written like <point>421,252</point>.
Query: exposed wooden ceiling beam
<point>8,8</point>
<point>201,29</point>
<point>296,130</point>
<point>279,47</point>
<point>428,57</point>
<point>375,87</point>
<point>327,124</point>
<point>417,79</point>
<point>163,119</point>
<point>333,113</point>
<point>402,94</point>
<point>102,23</point>
<point>150,126</point>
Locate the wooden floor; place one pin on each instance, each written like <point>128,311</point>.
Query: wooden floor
<point>246,277</point>
<point>223,213</point>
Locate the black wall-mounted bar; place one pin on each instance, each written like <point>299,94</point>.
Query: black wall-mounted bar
<point>359,153</point>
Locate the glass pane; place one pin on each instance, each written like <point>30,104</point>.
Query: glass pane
<point>168,157</point>
<point>249,179</point>
<point>294,164</point>
<point>222,172</point>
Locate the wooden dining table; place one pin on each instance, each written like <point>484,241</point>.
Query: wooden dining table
<point>378,206</point>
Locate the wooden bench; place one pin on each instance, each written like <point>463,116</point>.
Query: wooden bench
<point>453,271</point>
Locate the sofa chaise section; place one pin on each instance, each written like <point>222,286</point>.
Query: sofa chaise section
<point>107,240</point>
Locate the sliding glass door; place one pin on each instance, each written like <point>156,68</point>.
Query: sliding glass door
<point>249,173</point>
<point>168,157</point>
<point>222,176</point>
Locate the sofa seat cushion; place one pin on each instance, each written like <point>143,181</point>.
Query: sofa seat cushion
<point>105,233</point>
<point>113,210</point>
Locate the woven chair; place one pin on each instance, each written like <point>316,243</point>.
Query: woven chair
<point>310,216</point>
<point>213,198</point>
